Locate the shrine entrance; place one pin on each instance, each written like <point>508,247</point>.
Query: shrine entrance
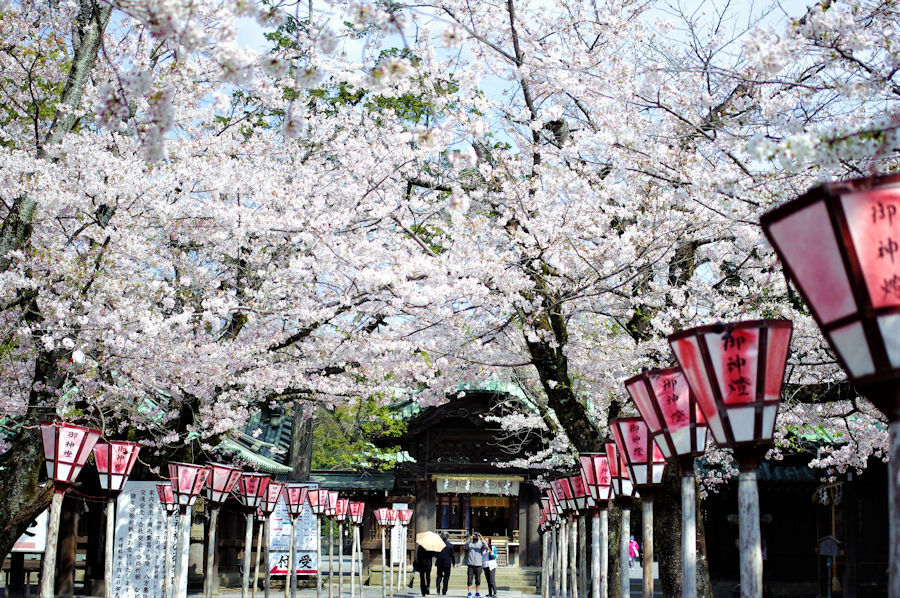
<point>491,515</point>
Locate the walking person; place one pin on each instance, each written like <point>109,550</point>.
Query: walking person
<point>446,558</point>
<point>423,563</point>
<point>634,551</point>
<point>474,548</point>
<point>489,563</point>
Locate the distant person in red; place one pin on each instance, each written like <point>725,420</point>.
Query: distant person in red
<point>634,551</point>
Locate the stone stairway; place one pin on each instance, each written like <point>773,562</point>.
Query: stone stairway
<point>517,579</point>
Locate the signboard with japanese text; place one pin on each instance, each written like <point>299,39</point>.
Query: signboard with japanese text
<point>140,543</point>
<point>397,535</point>
<point>304,541</point>
<point>35,537</point>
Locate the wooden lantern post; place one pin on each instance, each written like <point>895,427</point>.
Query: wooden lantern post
<point>677,425</point>
<point>736,371</point>
<point>383,520</point>
<point>295,498</point>
<point>266,508</point>
<point>404,516</point>
<point>595,473</point>
<point>331,501</point>
<point>625,493</point>
<point>357,511</point>
<point>340,515</point>
<point>318,500</point>
<point>646,466</point>
<point>251,489</point>
<point>187,483</point>
<point>66,448</point>
<point>114,461</point>
<point>219,484</point>
<point>840,244</point>
<point>167,500</point>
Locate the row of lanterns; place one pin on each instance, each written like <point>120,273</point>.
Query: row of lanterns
<point>387,519</point>
<point>840,246</point>
<point>67,447</point>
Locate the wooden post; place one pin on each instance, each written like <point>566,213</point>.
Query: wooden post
<point>545,548</point>
<point>647,527</point>
<point>751,550</point>
<point>564,555</point>
<point>340,558</point>
<point>352,560</point>
<point>625,571</point>
<point>248,551</point>
<point>167,570</point>
<point>583,567</point>
<point>688,535</point>
<point>48,575</point>
<point>259,534</point>
<point>359,556</point>
<point>573,556</point>
<point>894,509</point>
<point>266,574</point>
<point>182,547</point>
<point>604,553</point>
<point>391,569</point>
<point>211,550</point>
<point>330,557</point>
<point>557,557</point>
<point>383,565</point>
<point>318,555</point>
<point>595,555</point>
<point>292,559</point>
<point>110,543</point>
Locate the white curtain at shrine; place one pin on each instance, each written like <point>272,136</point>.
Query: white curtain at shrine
<point>477,484</point>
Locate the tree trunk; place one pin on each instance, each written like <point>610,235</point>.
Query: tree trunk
<point>301,446</point>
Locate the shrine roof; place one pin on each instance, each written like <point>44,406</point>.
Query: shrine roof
<point>372,481</point>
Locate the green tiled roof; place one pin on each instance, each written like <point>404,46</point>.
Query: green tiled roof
<point>260,462</point>
<point>353,480</point>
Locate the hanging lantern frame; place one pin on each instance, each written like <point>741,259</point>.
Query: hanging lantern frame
<point>114,461</point>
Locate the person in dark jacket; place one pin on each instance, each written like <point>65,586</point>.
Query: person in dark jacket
<point>424,560</point>
<point>446,559</point>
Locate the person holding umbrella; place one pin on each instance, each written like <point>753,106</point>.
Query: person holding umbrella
<point>435,545</point>
<point>422,564</point>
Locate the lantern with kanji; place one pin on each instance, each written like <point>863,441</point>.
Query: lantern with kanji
<point>114,461</point>
<point>187,482</point>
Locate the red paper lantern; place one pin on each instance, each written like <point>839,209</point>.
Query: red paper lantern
<point>736,371</point>
<point>393,517</point>
<point>618,473</point>
<point>114,461</point>
<point>595,472</point>
<point>670,410</point>
<point>405,516</point>
<point>221,481</point>
<point>555,510</point>
<point>357,510</point>
<point>166,497</point>
<point>187,482</point>
<point>579,493</point>
<point>251,489</point>
<point>840,244</point>
<point>331,500</point>
<point>563,491</point>
<point>382,517</point>
<point>66,448</point>
<point>318,500</point>
<point>270,499</point>
<point>341,510</point>
<point>295,498</point>
<point>645,462</point>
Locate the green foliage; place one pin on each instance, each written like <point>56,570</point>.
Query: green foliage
<point>342,438</point>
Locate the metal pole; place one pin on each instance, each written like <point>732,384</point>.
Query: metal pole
<point>625,576</point>
<point>604,553</point>
<point>751,551</point>
<point>110,542</point>
<point>340,558</point>
<point>894,509</point>
<point>318,554</point>
<point>647,524</point>
<point>167,556</point>
<point>292,559</point>
<point>267,575</point>
<point>330,557</point>
<point>383,565</point>
<point>688,536</point>
<point>573,556</point>
<point>211,549</point>
<point>48,577</point>
<point>259,534</point>
<point>595,555</point>
<point>248,551</point>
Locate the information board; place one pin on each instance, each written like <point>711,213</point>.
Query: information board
<point>140,544</point>
<point>397,535</point>
<point>304,541</point>
<point>35,537</point>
